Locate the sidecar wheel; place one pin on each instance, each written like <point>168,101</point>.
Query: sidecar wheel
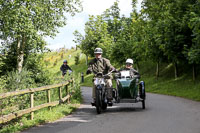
<point>142,90</point>
<point>143,104</point>
<point>98,101</point>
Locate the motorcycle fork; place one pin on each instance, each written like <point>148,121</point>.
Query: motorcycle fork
<point>102,92</point>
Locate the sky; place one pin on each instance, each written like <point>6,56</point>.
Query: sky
<point>65,36</point>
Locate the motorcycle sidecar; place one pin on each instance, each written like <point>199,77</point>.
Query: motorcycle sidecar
<point>129,89</point>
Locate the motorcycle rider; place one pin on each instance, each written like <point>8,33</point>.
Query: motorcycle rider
<point>100,64</point>
<point>129,66</point>
<point>64,67</point>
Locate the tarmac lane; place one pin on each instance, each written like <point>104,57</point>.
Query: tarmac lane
<point>163,114</point>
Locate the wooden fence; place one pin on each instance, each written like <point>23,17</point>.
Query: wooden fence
<point>65,85</point>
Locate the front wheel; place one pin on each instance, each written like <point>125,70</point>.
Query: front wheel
<point>98,101</point>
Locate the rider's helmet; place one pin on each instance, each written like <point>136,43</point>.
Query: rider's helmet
<point>98,51</point>
<point>129,61</point>
<point>65,61</point>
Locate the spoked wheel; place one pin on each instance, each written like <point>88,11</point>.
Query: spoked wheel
<point>143,101</point>
<point>142,93</point>
<point>98,101</point>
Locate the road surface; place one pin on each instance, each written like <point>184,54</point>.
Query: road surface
<point>163,114</point>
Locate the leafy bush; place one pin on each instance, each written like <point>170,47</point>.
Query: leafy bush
<point>34,74</point>
<point>62,54</point>
<point>19,81</point>
<point>36,64</point>
<point>46,62</point>
<point>77,59</point>
<point>76,96</point>
<point>2,83</point>
<point>55,63</point>
<point>1,62</point>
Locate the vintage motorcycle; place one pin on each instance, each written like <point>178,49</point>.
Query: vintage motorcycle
<point>101,92</point>
<point>128,90</point>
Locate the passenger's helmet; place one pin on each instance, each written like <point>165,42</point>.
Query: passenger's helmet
<point>130,61</point>
<point>65,61</point>
<point>98,51</point>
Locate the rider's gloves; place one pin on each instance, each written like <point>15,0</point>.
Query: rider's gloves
<point>69,72</point>
<point>88,72</point>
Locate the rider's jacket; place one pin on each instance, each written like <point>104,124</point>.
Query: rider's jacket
<point>100,65</point>
<point>64,68</point>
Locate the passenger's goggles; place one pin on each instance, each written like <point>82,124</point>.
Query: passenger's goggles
<point>128,64</point>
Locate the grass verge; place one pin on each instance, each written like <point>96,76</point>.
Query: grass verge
<point>180,88</point>
<point>43,116</point>
<point>40,117</point>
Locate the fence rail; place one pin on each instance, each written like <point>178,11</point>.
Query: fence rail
<point>6,118</point>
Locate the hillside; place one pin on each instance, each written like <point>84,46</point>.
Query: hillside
<point>183,86</point>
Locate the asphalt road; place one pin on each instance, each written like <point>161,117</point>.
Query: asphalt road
<point>163,114</point>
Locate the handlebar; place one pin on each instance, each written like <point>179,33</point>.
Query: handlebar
<point>100,74</point>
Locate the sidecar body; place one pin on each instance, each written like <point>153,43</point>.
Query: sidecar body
<point>129,89</point>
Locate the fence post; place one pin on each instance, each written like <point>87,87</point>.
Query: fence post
<point>49,97</point>
<point>69,90</point>
<point>60,93</point>
<point>73,82</point>
<point>72,85</point>
<point>82,77</point>
<point>67,93</point>
<point>32,105</point>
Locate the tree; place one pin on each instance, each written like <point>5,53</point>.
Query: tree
<point>152,37</point>
<point>168,17</point>
<point>112,17</point>
<point>192,51</point>
<point>24,23</point>
<point>96,35</point>
<point>79,40</point>
<point>126,45</point>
